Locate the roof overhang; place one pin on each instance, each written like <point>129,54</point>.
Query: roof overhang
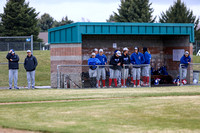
<point>72,33</point>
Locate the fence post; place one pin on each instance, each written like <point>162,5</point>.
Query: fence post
<point>98,78</point>
<point>149,75</point>
<point>180,74</point>
<point>58,77</point>
<point>124,75</point>
<point>8,47</point>
<point>24,47</point>
<point>32,44</point>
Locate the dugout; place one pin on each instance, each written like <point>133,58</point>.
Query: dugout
<point>72,44</point>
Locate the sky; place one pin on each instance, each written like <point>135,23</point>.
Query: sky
<point>95,10</point>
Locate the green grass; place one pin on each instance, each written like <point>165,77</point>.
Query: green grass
<point>196,59</point>
<point>166,109</point>
<point>42,72</point>
<point>60,94</point>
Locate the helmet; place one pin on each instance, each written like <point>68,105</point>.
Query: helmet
<point>157,81</point>
<point>184,81</point>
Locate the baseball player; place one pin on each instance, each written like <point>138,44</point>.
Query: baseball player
<point>95,51</point>
<point>137,59</point>
<point>92,69</point>
<point>125,69</point>
<point>115,61</point>
<point>185,61</point>
<point>145,69</point>
<point>101,72</point>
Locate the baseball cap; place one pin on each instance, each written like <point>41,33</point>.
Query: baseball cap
<point>95,49</point>
<point>125,49</point>
<point>100,50</point>
<point>12,51</point>
<point>136,48</point>
<point>28,51</point>
<point>186,52</point>
<point>118,53</point>
<point>93,54</point>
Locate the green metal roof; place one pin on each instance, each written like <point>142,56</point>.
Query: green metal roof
<point>72,33</point>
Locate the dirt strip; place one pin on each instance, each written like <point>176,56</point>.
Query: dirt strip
<point>8,130</point>
<point>70,100</point>
<point>96,99</point>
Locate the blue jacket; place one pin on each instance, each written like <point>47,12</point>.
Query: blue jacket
<point>184,60</point>
<point>137,59</point>
<point>102,59</point>
<point>94,62</point>
<point>147,58</point>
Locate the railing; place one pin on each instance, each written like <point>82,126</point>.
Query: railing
<point>189,74</point>
<point>78,75</point>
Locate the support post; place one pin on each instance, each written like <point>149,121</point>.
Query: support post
<point>32,44</point>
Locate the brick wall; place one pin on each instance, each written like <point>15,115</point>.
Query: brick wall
<point>65,54</point>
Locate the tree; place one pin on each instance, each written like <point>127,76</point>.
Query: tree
<point>45,22</point>
<point>134,11</point>
<point>64,21</point>
<point>179,13</point>
<point>111,19</point>
<point>1,27</point>
<point>19,19</point>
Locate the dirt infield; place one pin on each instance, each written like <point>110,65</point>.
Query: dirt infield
<point>7,130</point>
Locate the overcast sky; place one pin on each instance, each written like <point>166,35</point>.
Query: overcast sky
<point>95,10</point>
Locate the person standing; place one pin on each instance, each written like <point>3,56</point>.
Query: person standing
<point>184,62</point>
<point>146,69</point>
<point>125,69</point>
<point>95,51</point>
<point>115,61</point>
<point>13,66</point>
<point>92,62</point>
<point>137,59</point>
<point>101,72</point>
<point>30,64</point>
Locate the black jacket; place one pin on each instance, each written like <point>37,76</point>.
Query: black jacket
<point>30,63</point>
<point>114,60</point>
<point>125,60</point>
<point>14,63</point>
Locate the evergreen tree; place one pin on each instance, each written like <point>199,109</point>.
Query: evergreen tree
<point>19,19</point>
<point>1,27</point>
<point>179,13</point>
<point>111,19</point>
<point>134,11</point>
<point>64,21</point>
<point>45,22</point>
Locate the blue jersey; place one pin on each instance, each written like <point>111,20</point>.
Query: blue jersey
<point>94,62</point>
<point>137,59</point>
<point>147,58</point>
<point>102,59</point>
<point>184,60</point>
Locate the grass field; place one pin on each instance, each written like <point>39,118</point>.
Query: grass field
<point>164,109</point>
<point>42,71</point>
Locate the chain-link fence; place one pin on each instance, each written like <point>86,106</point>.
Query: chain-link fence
<point>196,47</point>
<point>21,43</point>
<point>189,74</point>
<point>22,46</point>
<point>86,76</point>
